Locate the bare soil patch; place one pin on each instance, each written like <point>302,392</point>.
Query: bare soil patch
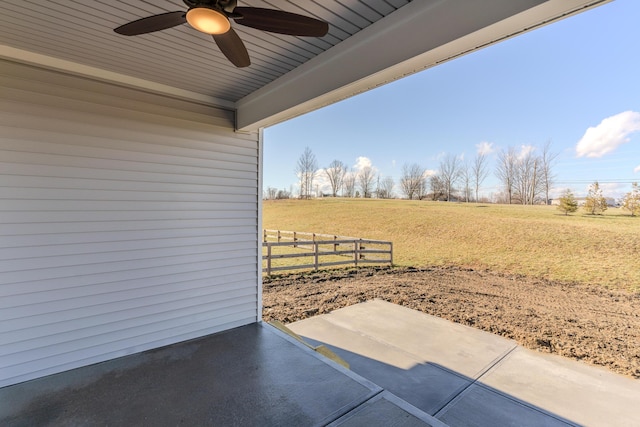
<point>583,322</point>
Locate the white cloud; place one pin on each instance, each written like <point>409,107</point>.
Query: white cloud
<point>525,150</point>
<point>361,163</point>
<point>608,135</point>
<point>429,172</point>
<point>321,182</point>
<point>637,169</point>
<point>485,148</point>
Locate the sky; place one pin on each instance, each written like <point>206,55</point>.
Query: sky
<point>574,83</point>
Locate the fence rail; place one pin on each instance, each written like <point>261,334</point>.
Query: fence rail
<point>290,250</point>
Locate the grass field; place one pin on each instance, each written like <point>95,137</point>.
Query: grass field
<point>535,241</point>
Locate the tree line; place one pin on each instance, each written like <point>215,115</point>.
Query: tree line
<point>526,177</point>
<point>342,180</point>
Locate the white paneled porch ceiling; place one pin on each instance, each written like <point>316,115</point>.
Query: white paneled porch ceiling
<point>82,31</point>
<point>369,43</point>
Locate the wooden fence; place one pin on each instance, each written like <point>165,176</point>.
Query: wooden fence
<point>294,250</point>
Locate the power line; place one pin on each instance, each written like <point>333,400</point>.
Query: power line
<point>600,181</point>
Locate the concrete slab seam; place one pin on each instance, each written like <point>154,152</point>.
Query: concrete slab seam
<point>495,362</point>
<point>400,403</point>
<point>348,408</point>
<point>416,412</point>
<point>359,379</point>
<point>490,366</point>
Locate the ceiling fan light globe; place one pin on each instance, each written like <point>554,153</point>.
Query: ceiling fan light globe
<point>208,21</point>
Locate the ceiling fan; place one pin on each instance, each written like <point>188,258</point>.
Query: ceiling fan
<point>212,17</point>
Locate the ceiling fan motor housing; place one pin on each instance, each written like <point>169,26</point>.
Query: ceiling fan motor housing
<point>223,5</point>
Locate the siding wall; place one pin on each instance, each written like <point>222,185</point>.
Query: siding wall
<point>127,221</point>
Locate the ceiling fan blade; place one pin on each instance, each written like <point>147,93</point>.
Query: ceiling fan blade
<point>152,23</point>
<point>279,21</point>
<point>233,48</point>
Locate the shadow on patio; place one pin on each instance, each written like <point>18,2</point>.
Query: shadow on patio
<point>468,377</point>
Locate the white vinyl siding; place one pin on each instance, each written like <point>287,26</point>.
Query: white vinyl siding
<point>128,221</point>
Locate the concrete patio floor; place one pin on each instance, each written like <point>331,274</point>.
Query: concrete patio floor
<point>466,377</point>
<point>249,376</point>
<point>407,369</point>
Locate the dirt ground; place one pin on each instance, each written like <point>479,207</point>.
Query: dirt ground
<point>583,322</point>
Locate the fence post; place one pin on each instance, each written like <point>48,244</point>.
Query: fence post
<point>356,255</point>
<point>295,239</point>
<point>264,235</point>
<point>279,237</point>
<point>268,259</point>
<point>315,264</point>
<point>335,245</point>
<point>391,253</point>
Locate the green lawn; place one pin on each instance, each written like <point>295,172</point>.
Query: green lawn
<point>536,241</point>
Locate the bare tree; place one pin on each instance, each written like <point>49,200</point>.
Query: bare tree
<point>270,193</point>
<point>438,190</point>
<point>466,177</point>
<point>349,184</point>
<point>450,171</point>
<point>526,178</point>
<point>506,171</point>
<point>385,188</point>
<point>366,177</point>
<point>412,180</point>
<point>547,160</point>
<point>335,174</point>
<point>479,172</point>
<point>526,182</point>
<point>422,187</point>
<point>306,169</point>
